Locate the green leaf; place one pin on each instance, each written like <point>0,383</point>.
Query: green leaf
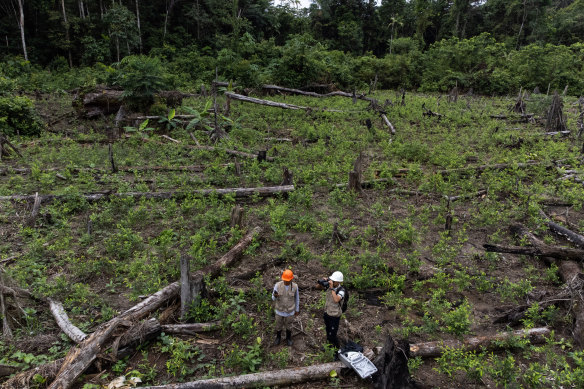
<point>171,114</point>
<point>143,125</point>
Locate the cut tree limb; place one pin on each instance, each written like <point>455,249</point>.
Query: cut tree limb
<point>388,123</point>
<point>435,349</point>
<point>79,358</point>
<point>74,333</point>
<point>572,236</point>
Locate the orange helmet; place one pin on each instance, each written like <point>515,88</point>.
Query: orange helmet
<point>287,275</point>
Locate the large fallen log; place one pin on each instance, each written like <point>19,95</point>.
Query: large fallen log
<point>93,197</point>
<point>314,94</point>
<point>538,248</point>
<point>268,378</point>
<point>435,349</point>
<point>268,103</point>
<point>190,329</point>
<point>7,370</point>
<point>80,357</point>
<point>567,260</point>
<point>133,337</point>
<point>74,333</point>
<point>185,168</point>
<point>212,148</point>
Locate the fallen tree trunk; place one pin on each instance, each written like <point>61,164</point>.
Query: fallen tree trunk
<point>74,333</point>
<point>275,104</point>
<point>134,336</point>
<point>80,357</point>
<point>542,250</point>
<point>212,148</point>
<point>186,168</point>
<point>268,378</point>
<point>190,329</point>
<point>7,370</point>
<point>538,248</point>
<point>435,349</point>
<point>314,94</point>
<point>268,103</point>
<point>93,197</point>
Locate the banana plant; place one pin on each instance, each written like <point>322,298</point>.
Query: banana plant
<point>143,130</point>
<point>169,121</point>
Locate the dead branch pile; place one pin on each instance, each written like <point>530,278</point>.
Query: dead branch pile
<point>82,356</point>
<point>567,260</point>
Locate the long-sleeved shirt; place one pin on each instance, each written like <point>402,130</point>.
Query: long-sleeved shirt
<point>296,300</point>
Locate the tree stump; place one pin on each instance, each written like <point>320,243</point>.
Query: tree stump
<point>354,181</point>
<point>237,214</point>
<point>262,155</point>
<point>392,366</point>
<point>288,177</point>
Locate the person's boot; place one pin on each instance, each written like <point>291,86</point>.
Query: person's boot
<point>278,338</point>
<point>289,337</point>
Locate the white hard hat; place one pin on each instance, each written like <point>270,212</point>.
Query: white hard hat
<point>337,276</point>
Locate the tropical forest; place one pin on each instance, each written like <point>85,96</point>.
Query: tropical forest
<point>302,194</point>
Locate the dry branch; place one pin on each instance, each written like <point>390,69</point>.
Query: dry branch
<point>435,349</point>
<point>573,237</point>
<point>80,357</point>
<point>74,333</point>
<point>388,123</point>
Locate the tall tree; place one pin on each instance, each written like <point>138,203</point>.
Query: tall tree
<point>67,38</point>
<point>138,24</point>
<point>9,8</point>
<point>21,25</point>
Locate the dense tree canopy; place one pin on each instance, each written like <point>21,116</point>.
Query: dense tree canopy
<point>348,42</point>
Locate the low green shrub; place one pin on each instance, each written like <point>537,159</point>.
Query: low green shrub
<point>18,117</point>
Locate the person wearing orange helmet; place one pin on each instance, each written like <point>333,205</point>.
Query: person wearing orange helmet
<point>286,304</point>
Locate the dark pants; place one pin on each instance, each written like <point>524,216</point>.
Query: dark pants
<point>332,327</point>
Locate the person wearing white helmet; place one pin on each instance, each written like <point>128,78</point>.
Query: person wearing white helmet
<point>333,303</point>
